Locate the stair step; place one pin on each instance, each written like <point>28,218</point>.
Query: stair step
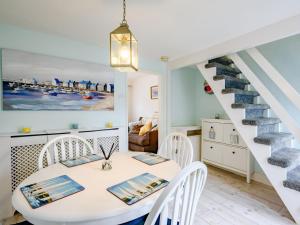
<point>223,69</point>
<point>284,157</point>
<point>232,82</point>
<point>241,96</point>
<point>252,110</point>
<point>274,138</point>
<point>249,106</point>
<point>239,92</point>
<point>293,179</point>
<point>261,121</point>
<point>222,60</point>
<point>226,77</point>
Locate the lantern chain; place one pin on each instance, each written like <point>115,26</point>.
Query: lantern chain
<point>124,12</point>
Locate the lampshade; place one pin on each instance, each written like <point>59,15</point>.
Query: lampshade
<point>123,47</point>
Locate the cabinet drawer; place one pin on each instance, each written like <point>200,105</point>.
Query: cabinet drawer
<point>212,151</point>
<point>235,158</point>
<point>231,136</point>
<point>213,131</point>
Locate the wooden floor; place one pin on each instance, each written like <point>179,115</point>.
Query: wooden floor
<point>228,200</point>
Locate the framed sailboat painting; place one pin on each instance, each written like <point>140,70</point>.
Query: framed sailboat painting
<point>35,82</point>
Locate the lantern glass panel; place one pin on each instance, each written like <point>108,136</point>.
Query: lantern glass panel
<point>134,52</point>
<point>120,49</point>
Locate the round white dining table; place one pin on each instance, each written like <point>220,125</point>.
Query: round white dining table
<point>94,205</point>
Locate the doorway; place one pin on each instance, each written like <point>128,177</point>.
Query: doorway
<point>143,111</point>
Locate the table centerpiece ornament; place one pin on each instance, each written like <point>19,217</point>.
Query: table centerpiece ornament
<point>107,163</point>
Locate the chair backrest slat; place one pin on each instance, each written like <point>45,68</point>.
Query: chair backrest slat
<point>51,149</point>
<point>175,214</point>
<point>164,215</point>
<point>56,157</point>
<point>180,196</point>
<point>77,149</point>
<point>71,153</point>
<point>49,159</point>
<point>63,149</point>
<point>185,200</point>
<point>178,147</point>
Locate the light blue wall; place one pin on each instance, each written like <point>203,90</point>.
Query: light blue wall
<point>26,40</point>
<point>189,102</point>
<point>285,57</point>
<point>207,105</point>
<point>183,107</point>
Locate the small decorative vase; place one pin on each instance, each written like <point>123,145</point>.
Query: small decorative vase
<point>26,130</point>
<point>74,126</point>
<point>212,133</point>
<point>109,125</point>
<point>106,164</point>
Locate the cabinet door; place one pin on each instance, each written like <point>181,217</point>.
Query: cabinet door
<point>231,136</point>
<point>212,152</point>
<point>235,157</point>
<point>196,142</point>
<point>215,128</point>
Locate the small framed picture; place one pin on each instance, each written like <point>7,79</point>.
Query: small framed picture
<point>154,92</point>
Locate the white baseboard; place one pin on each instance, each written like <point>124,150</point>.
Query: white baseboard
<point>261,178</point>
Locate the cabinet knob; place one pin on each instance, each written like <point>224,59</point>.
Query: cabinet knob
<point>233,129</point>
<point>233,152</point>
<point>211,147</point>
<point>211,127</point>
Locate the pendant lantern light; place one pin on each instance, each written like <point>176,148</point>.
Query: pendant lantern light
<point>123,47</point>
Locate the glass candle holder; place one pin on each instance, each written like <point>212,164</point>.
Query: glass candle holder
<point>106,164</point>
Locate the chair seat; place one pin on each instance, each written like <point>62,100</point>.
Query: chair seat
<point>141,220</point>
<point>23,223</point>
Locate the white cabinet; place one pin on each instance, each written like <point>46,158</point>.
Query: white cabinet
<point>223,147</point>
<point>194,134</point>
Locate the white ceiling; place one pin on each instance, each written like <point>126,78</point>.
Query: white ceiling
<point>163,27</point>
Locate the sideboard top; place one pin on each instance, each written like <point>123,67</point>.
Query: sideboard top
<point>57,132</point>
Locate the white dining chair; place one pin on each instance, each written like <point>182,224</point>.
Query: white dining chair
<point>178,147</point>
<point>178,202</point>
<point>62,148</point>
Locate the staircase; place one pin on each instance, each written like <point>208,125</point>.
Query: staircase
<point>272,148</point>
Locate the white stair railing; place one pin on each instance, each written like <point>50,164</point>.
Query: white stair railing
<point>275,76</point>
<point>276,106</point>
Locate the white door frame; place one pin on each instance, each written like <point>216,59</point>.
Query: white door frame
<point>163,103</point>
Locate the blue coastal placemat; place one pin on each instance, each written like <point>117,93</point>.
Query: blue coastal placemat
<point>45,192</point>
<point>137,188</point>
<point>81,160</point>
<point>150,158</point>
